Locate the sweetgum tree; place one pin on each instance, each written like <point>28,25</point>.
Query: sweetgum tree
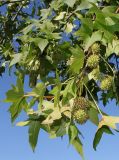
<point>69,49</point>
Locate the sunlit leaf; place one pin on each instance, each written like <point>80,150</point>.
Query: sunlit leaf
<point>34,129</point>
<point>24,123</point>
<point>70,3</point>
<point>78,146</point>
<point>98,135</point>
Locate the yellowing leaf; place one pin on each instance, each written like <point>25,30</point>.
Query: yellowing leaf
<point>69,27</point>
<point>60,16</point>
<point>63,109</point>
<point>56,114</point>
<point>66,111</point>
<point>48,120</point>
<point>24,123</point>
<point>16,59</point>
<point>109,121</point>
<point>48,105</point>
<point>67,114</point>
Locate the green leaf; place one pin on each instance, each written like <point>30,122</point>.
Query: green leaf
<point>17,92</point>
<point>98,135</point>
<point>17,107</point>
<point>93,115</point>
<point>78,60</point>
<point>39,91</point>
<point>112,48</point>
<point>16,59</point>
<point>16,97</point>
<point>78,146</point>
<point>70,3</point>
<point>73,133</point>
<point>32,102</point>
<point>34,129</point>
<point>56,90</point>
<point>40,42</point>
<point>62,129</point>
<point>86,29</point>
<point>85,4</point>
<point>13,95</point>
<point>27,29</point>
<point>70,88</point>
<point>96,36</point>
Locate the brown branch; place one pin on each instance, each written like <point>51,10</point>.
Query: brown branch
<point>49,97</point>
<point>117,10</point>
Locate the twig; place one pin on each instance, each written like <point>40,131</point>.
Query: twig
<point>20,8</point>
<point>94,100</point>
<point>117,10</point>
<point>49,97</point>
<point>108,64</point>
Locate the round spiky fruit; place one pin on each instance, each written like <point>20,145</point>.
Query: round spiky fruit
<point>80,116</point>
<point>95,48</point>
<point>93,61</point>
<point>81,103</point>
<point>106,83</point>
<point>95,74</point>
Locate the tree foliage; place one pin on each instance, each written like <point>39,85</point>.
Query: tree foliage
<point>69,49</point>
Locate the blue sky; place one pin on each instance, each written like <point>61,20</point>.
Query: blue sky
<point>14,140</point>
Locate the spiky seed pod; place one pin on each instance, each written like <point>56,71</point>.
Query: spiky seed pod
<point>80,116</point>
<point>95,74</point>
<point>93,61</point>
<point>81,103</point>
<point>106,83</point>
<point>95,48</point>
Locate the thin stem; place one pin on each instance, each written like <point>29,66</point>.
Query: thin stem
<point>65,82</point>
<point>18,12</point>
<point>48,97</point>
<point>30,95</point>
<point>108,64</point>
<point>94,100</point>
